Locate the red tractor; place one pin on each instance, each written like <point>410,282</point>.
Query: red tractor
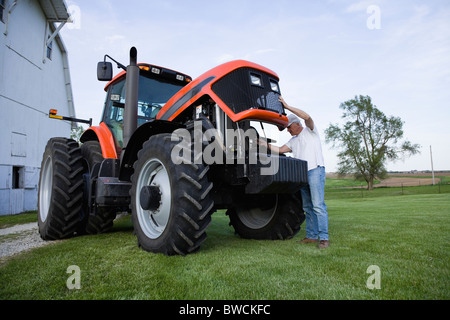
<point>173,151</point>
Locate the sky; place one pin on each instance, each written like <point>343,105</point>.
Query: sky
<point>325,52</point>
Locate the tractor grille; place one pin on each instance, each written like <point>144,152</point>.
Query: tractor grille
<point>238,93</point>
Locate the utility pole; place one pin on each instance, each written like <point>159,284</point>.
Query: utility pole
<point>432,170</point>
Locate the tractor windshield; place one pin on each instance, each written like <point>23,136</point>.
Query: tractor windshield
<point>153,94</point>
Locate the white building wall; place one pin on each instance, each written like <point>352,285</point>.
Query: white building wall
<point>30,85</point>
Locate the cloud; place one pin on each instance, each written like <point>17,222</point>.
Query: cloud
<point>225,57</point>
<point>263,51</point>
<point>323,52</point>
<point>359,6</point>
<point>115,38</point>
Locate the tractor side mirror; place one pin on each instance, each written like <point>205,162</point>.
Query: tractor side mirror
<point>104,71</point>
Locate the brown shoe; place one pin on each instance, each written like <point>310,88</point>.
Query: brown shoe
<point>307,240</point>
<point>324,244</point>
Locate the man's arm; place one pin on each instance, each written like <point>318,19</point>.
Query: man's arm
<point>282,150</point>
<point>299,113</point>
<point>275,149</point>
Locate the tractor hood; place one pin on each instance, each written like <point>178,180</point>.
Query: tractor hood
<point>242,89</point>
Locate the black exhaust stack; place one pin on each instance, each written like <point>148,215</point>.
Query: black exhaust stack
<point>131,102</point>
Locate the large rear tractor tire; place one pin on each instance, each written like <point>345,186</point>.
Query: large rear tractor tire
<point>103,220</point>
<point>275,217</point>
<point>171,203</point>
<point>60,196</point>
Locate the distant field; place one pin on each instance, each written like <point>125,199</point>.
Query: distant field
<point>393,180</point>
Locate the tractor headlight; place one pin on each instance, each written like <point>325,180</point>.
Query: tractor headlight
<point>256,79</point>
<point>274,86</point>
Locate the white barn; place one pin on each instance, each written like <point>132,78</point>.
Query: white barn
<point>34,77</point>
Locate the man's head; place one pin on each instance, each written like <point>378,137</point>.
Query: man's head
<point>294,127</point>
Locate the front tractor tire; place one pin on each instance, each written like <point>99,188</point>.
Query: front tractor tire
<point>171,203</point>
<point>277,217</point>
<point>60,196</point>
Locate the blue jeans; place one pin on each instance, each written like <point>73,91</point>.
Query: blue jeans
<point>313,197</point>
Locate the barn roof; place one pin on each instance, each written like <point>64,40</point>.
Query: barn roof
<point>55,10</point>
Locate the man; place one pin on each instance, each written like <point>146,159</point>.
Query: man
<point>305,145</point>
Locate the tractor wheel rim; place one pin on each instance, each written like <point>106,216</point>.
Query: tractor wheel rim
<point>154,222</point>
<point>257,218</point>
<point>45,189</point>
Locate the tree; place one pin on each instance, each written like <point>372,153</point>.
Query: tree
<point>367,140</point>
<point>75,134</point>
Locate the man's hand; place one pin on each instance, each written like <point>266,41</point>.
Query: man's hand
<point>263,142</point>
<point>285,105</point>
<point>274,149</point>
<point>299,113</point>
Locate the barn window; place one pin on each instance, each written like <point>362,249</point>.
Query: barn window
<point>17,177</point>
<point>49,49</point>
<point>2,10</point>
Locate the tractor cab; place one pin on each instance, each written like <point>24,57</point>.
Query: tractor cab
<point>156,86</point>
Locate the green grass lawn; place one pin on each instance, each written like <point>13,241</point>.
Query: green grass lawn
<point>9,221</point>
<point>407,237</point>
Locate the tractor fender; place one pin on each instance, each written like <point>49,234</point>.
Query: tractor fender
<point>103,135</point>
<point>137,140</point>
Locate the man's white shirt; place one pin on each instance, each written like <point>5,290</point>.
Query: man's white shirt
<point>307,146</point>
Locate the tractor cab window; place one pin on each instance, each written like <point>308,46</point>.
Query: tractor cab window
<point>153,95</point>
